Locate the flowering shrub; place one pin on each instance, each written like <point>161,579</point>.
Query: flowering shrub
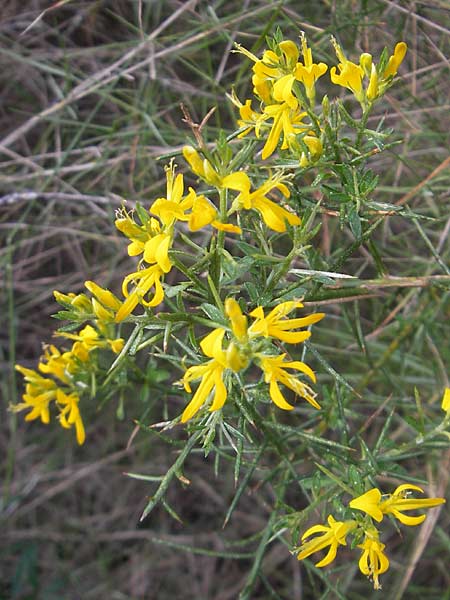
<point>217,294</point>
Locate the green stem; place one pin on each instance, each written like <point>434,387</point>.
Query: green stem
<point>174,470</point>
<point>220,241</point>
<point>362,126</point>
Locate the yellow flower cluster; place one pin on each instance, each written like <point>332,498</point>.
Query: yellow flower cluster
<point>285,105</point>
<point>373,561</point>
<point>59,383</point>
<point>273,215</point>
<point>275,83</point>
<point>379,77</point>
<point>284,82</point>
<point>154,236</point>
<point>103,305</point>
<point>245,344</point>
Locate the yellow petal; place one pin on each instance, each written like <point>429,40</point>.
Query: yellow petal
<point>274,215</point>
<point>106,297</point>
<point>300,366</point>
<point>238,320</point>
<point>227,227</point>
<point>220,394</point>
<point>203,213</point>
<point>407,519</point>
<point>395,60</point>
<point>372,90</point>
<point>289,49</point>
<point>211,345</point>
<point>193,158</point>
<point>237,181</point>
<point>369,503</point>
<point>291,337</point>
<point>330,556</point>
<point>200,397</point>
<point>277,396</point>
<point>273,138</point>
<point>102,313</point>
<point>127,307</point>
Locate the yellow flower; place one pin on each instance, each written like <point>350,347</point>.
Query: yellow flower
<point>102,314</point>
<point>138,234</point>
<point>38,404</point>
<point>273,215</point>
<point>86,340</point>
<point>103,295</point>
<point>39,392</point>
<point>333,536</point>
<point>373,561</point>
<point>276,325</point>
<point>211,374</point>
<point>116,345</point>
<point>315,150</point>
<point>395,60</point>
<point>70,413</point>
<point>103,304</point>
<point>204,213</point>
<point>273,74</point>
<point>173,206</point>
<point>58,364</point>
<point>395,504</point>
<point>149,239</point>
<point>78,301</point>
<point>201,167</point>
<point>250,119</point>
<point>275,371</point>
<point>286,122</point>
<point>282,91</point>
<point>350,75</point>
<point>156,251</point>
<point>238,320</point>
<point>380,81</point>
<point>309,72</point>
<point>446,400</point>
<point>373,90</point>
<point>237,352</point>
<point>144,280</point>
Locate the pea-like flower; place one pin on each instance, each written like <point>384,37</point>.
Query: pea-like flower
<point>70,413</point>
<point>238,321</point>
<point>201,166</point>
<point>275,372</point>
<point>247,344</point>
<point>105,304</point>
<point>39,392</point>
<point>373,561</point>
<point>145,280</point>
<point>376,505</point>
<point>352,75</point>
<point>309,72</point>
<point>274,73</point>
<point>211,375</point>
<point>287,123</point>
<point>173,207</point>
<point>274,215</point>
<point>333,535</point>
<point>275,325</point>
